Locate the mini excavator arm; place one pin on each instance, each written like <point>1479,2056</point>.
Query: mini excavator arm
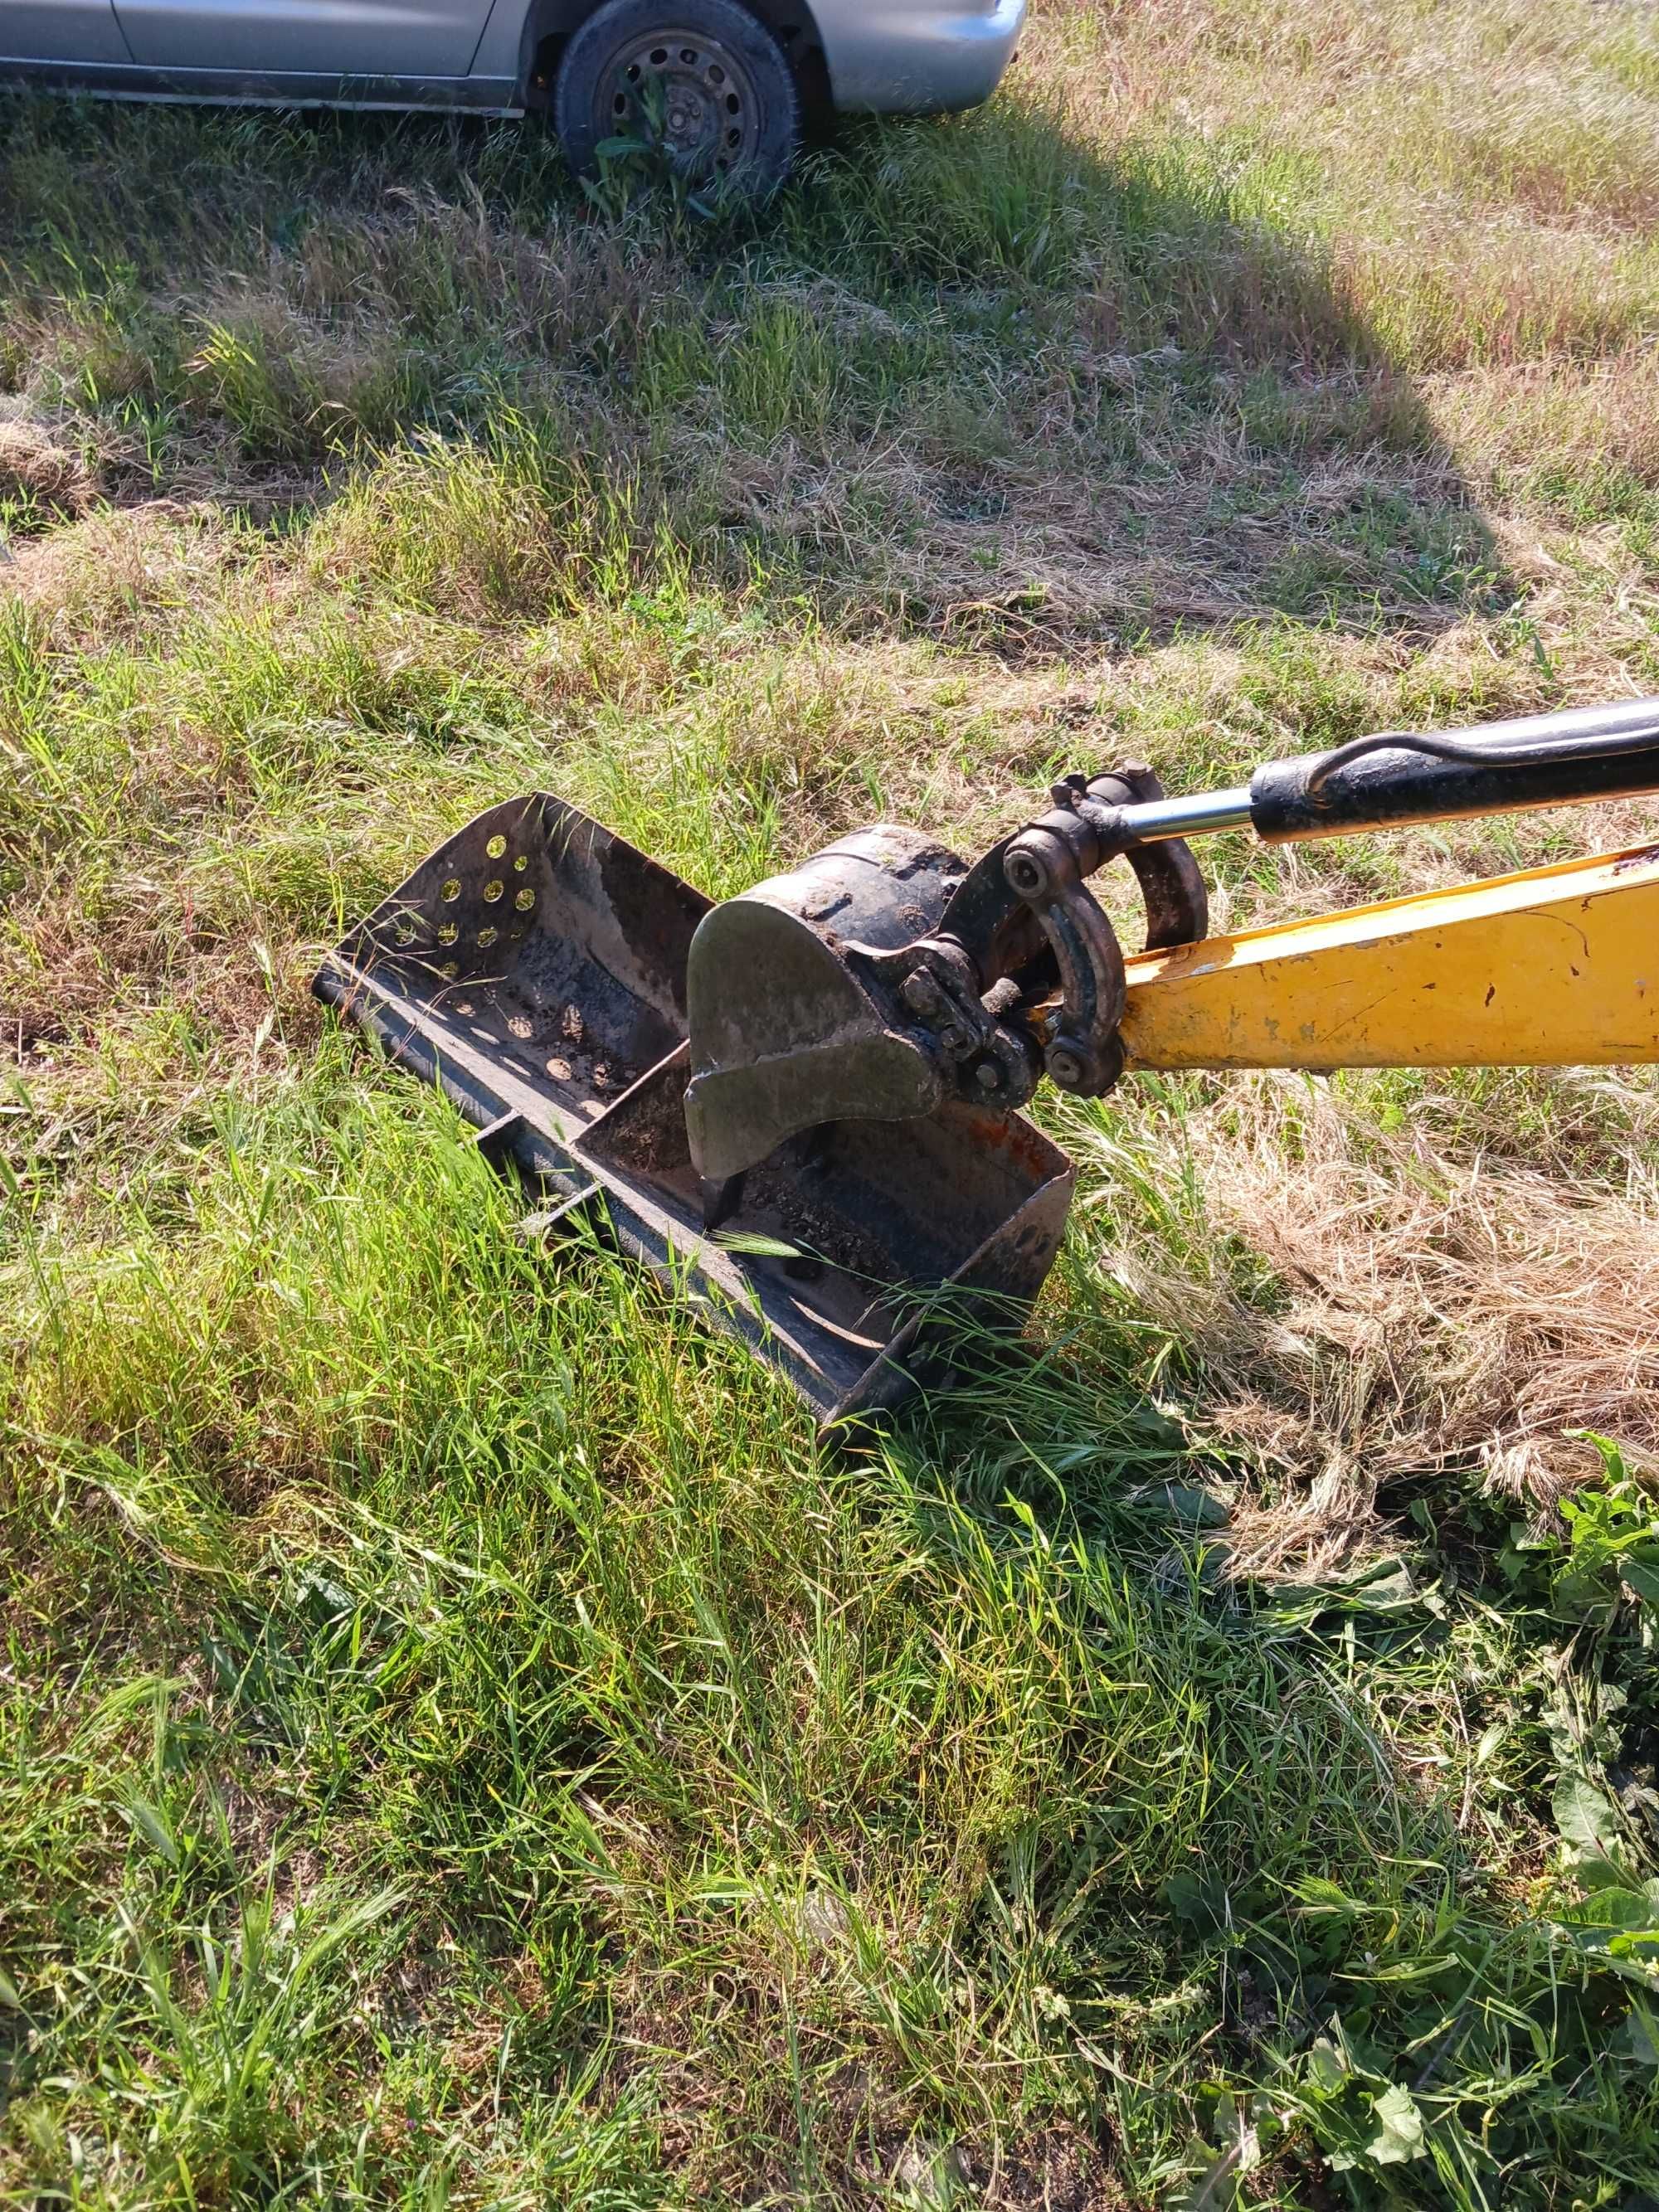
<point>846,991</point>
<point>1550,967</point>
<point>826,1069</point>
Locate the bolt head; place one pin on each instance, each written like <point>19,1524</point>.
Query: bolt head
<point>920,992</point>
<point>988,1075</point>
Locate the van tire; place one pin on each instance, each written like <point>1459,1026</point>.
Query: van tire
<point>731,106</point>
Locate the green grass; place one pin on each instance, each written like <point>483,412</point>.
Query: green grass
<point>462,1742</point>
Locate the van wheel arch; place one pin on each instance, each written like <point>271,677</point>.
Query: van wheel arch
<point>549,23</point>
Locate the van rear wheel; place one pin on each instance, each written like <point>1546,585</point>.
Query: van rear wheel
<point>702,82</point>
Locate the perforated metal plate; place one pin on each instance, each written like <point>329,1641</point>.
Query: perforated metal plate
<point>535,969</point>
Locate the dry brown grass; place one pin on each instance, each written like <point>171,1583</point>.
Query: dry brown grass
<point>1498,203</point>
<point>1426,1309</point>
<point>1508,426</point>
<point>37,468</point>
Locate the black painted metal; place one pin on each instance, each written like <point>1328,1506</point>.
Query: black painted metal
<point>1172,886</point>
<point>1336,795</point>
<point>535,969</point>
<point>788,1029</point>
<point>1081,1052</point>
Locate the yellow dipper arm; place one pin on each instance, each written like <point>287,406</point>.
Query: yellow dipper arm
<point>1550,967</point>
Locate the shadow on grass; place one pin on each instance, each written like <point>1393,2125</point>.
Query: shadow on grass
<point>1195,422</point>
<point>976,380</point>
<point>975,377</point>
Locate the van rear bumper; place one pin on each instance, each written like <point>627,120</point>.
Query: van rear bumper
<point>907,59</point>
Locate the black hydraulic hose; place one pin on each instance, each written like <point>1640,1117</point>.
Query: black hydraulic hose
<point>1471,751</point>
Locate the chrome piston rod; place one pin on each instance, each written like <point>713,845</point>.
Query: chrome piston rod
<point>1198,815</point>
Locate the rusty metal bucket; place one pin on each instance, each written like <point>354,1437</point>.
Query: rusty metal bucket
<point>535,966</point>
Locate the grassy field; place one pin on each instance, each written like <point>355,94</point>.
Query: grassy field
<point>461,1741</point>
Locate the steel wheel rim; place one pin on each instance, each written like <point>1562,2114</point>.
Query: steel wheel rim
<point>711,110</point>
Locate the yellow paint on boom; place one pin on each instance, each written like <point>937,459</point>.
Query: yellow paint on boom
<point>1550,967</point>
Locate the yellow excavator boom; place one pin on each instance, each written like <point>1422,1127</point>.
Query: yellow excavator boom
<point>1549,966</point>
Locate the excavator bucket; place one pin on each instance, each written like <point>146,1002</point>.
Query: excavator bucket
<point>535,969</point>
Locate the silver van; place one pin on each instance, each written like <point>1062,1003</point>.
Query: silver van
<point>721,86</point>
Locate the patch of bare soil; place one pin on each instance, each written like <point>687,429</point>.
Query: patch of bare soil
<point>1054,2169</point>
